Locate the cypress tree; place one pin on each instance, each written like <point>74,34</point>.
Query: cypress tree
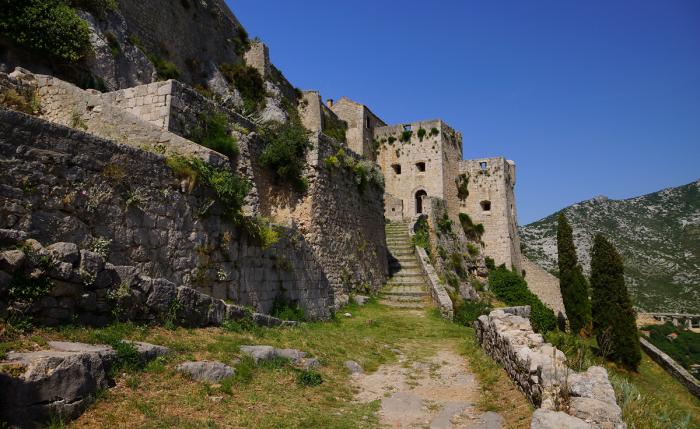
<point>573,285</point>
<point>613,315</point>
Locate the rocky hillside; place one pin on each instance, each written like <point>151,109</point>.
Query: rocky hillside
<point>657,234</point>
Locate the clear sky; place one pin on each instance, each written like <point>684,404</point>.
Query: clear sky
<point>588,97</point>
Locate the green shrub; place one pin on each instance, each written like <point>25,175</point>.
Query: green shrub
<point>511,288</point>
<point>285,152</point>
<point>421,133</point>
<point>282,309</point>
<point>406,136</point>
<point>471,231</point>
<point>214,133</point>
<point>579,351</point>
<point>444,225</point>
<point>309,378</point>
<point>164,69</point>
<point>684,349</point>
<point>466,312</point>
<point>334,127</point>
<point>422,234</point>
<point>473,250</point>
<point>13,100</point>
<point>434,131</point>
<point>462,182</point>
<point>49,27</point>
<point>113,43</point>
<point>230,189</point>
<point>391,140</point>
<point>490,263</point>
<point>96,7</point>
<point>248,82</point>
<point>241,42</point>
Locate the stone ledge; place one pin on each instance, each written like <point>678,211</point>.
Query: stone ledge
<point>672,367</point>
<point>435,288</point>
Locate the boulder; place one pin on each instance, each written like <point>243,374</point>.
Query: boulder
<point>61,381</point>
<point>259,353</point>
<point>294,355</point>
<point>360,299</point>
<point>590,409</point>
<point>91,263</point>
<point>594,384</point>
<point>5,280</point>
<point>206,371</point>
<point>311,363</point>
<point>12,260</point>
<point>65,252</point>
<point>148,351</point>
<point>353,367</point>
<point>9,237</point>
<point>548,419</point>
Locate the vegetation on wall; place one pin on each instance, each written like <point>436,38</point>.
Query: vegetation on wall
<point>471,231</point>
<point>241,43</point>
<point>434,132</point>
<point>421,238</point>
<point>462,182</point>
<point>511,288</point>
<point>213,132</point>
<point>48,27</point>
<point>334,127</point>
<point>573,285</point>
<point>406,136</point>
<point>249,83</point>
<point>613,316</point>
<point>96,7</point>
<point>164,68</point>
<point>13,100</point>
<point>285,152</point>
<point>421,133</point>
<point>230,189</point>
<point>365,172</point>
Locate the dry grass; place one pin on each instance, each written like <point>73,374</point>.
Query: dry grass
<point>270,397</point>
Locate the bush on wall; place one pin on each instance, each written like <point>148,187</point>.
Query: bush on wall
<point>49,27</point>
<point>285,152</point>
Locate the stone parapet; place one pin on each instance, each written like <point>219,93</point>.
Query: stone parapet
<point>672,367</point>
<point>435,288</point>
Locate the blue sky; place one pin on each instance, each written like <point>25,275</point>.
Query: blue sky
<point>588,97</point>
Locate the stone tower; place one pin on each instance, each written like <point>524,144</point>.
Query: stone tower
<point>491,202</point>
<point>361,124</point>
<point>420,159</point>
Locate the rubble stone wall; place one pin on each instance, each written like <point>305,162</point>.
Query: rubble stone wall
<point>541,372</point>
<point>63,185</point>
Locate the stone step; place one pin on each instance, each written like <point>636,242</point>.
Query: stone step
<point>406,283</point>
<point>407,274</point>
<point>402,298</point>
<point>403,305</point>
<point>403,294</point>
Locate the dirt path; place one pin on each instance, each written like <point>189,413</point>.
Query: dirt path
<point>436,393</point>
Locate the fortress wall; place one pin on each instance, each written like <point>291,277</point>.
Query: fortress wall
<point>197,36</point>
<point>452,156</point>
<point>343,225</point>
<point>310,111</point>
<point>430,151</point>
<point>60,184</point>
<point>361,125</point>
<point>494,183</point>
<point>66,104</point>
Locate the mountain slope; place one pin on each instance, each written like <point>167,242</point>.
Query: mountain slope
<point>657,234</point>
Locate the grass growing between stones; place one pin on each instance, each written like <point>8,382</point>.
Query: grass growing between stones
<point>276,394</point>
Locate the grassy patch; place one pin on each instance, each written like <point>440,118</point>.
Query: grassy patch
<point>214,132</point>
<point>276,394</point>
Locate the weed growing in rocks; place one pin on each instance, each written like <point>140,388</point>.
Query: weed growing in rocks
<point>285,152</point>
<point>214,132</point>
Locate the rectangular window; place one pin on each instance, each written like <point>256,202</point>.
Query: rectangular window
<point>407,127</point>
<point>397,168</point>
<point>421,167</point>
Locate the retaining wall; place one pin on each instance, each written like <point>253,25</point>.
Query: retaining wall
<point>672,367</point>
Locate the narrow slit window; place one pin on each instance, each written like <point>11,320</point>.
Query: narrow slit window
<point>420,166</point>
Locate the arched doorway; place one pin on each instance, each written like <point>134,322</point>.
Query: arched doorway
<point>419,201</point>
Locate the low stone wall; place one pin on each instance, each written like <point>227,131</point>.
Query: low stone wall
<point>435,288</point>
<point>565,398</point>
<point>62,284</point>
<point>63,185</point>
<point>66,104</point>
<point>672,367</point>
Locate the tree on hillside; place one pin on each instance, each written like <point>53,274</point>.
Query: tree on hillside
<point>613,315</point>
<point>573,285</point>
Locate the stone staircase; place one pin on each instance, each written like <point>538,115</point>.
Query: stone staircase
<point>406,287</point>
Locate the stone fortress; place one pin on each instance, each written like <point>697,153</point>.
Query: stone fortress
<point>419,161</point>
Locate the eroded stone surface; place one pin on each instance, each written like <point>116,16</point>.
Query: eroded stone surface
<point>206,371</point>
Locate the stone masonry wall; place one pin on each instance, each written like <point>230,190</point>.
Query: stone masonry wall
<point>565,398</point>
<point>361,125</point>
<point>544,285</point>
<point>62,185</point>
<point>72,285</point>
<point>65,104</point>
<point>343,225</point>
<point>493,180</point>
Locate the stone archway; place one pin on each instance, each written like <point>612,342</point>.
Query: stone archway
<point>419,200</point>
